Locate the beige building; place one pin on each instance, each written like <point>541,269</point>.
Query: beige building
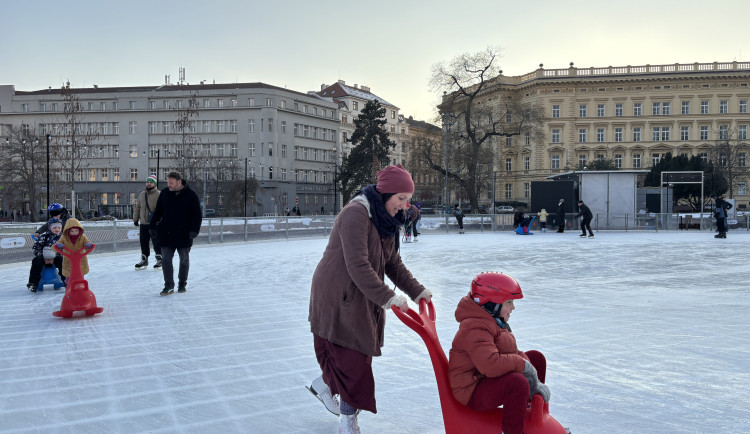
<point>631,115</point>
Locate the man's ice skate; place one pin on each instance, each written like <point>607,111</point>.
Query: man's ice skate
<point>582,236</point>
<point>591,236</point>
<point>158,261</point>
<point>143,264</point>
<point>348,424</point>
<point>320,390</point>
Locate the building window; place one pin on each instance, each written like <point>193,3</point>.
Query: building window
<point>555,136</point>
<point>661,108</point>
<point>508,164</point>
<point>166,127</point>
<point>555,111</point>
<point>655,158</point>
<point>509,191</point>
<point>724,107</point>
<point>618,161</point>
<point>704,157</point>
<point>355,105</point>
<point>251,125</point>
<point>741,188</point>
<point>508,141</point>
<point>251,149</point>
<point>600,110</point>
<point>219,126</point>
<point>233,150</point>
<point>618,109</point>
<point>132,105</point>
<point>684,133</point>
<point>114,105</point>
<point>206,103</point>
<point>743,106</point>
<point>742,159</point>
<point>233,102</point>
<point>582,111</point>
<point>270,149</point>
<point>219,103</point>
<point>251,102</point>
<point>582,135</point>
<point>636,161</point>
<point>134,174</point>
<point>704,107</point>
<point>283,127</point>
<point>723,132</point>
<point>526,189</point>
<point>618,134</point>
<point>636,134</point>
<point>637,109</point>
<point>526,162</point>
<point>393,114</point>
<point>115,128</point>
<point>133,151</point>
<point>742,132</point>
<point>600,134</point>
<point>704,132</point>
<point>723,159</point>
<point>555,162</point>
<point>133,127</point>
<point>232,126</point>
<point>685,108</point>
<point>582,159</point>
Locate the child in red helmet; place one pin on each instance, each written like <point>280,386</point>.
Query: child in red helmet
<point>486,369</point>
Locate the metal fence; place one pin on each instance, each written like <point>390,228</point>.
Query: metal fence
<point>120,235</point>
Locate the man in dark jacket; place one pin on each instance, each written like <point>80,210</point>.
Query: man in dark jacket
<point>583,210</point>
<point>560,216</point>
<point>720,214</point>
<point>176,221</point>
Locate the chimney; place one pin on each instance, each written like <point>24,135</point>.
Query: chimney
<point>342,82</point>
<point>365,88</point>
<point>355,86</point>
<point>323,86</point>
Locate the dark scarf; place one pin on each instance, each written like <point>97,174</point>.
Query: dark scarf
<point>502,324</point>
<point>386,225</point>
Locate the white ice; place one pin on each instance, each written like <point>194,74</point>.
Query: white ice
<point>644,332</point>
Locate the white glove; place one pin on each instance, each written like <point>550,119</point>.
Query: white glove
<point>530,373</point>
<point>426,294</point>
<point>543,390</point>
<point>398,300</point>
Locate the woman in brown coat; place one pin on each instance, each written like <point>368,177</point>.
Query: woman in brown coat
<point>349,295</point>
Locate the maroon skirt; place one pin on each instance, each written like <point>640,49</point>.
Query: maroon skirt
<point>347,373</point>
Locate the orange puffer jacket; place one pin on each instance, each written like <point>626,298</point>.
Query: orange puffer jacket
<point>480,349</point>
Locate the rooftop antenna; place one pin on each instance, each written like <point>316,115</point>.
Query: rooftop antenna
<point>182,76</point>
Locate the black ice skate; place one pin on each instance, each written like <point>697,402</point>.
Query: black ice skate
<point>143,264</point>
<point>158,261</point>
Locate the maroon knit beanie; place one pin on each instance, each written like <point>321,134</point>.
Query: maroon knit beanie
<point>395,179</point>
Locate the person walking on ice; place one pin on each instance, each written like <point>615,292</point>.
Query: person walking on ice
<point>142,214</point>
<point>459,218</point>
<point>348,296</point>
<point>583,210</point>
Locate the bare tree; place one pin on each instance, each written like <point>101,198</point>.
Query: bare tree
<point>78,140</point>
<point>24,169</point>
<point>190,153</point>
<point>729,154</point>
<point>475,109</point>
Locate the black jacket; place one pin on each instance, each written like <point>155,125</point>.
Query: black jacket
<point>585,212</point>
<point>560,215</point>
<point>177,216</point>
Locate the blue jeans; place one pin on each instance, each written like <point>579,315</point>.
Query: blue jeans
<point>167,253</point>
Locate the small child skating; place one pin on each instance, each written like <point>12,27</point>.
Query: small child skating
<point>543,219</point>
<point>73,239</point>
<point>45,239</point>
<point>486,369</point>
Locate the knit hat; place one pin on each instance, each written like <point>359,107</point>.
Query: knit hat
<point>151,179</point>
<point>395,179</point>
<point>54,221</point>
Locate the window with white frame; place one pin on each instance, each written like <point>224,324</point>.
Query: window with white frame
<point>133,127</point>
<point>166,127</point>
<point>153,127</point>
<point>207,103</point>
<point>600,110</point>
<point>132,105</point>
<point>116,174</point>
<point>269,102</point>
<point>556,111</point>
<point>509,141</point>
<point>508,191</point>
<point>115,128</point>
<point>554,162</point>
<point>637,109</point>
<point>636,161</point>
<point>742,132</point>
<point>685,132</point>
<point>723,159</point>
<point>704,157</point>
<point>704,107</point>
<point>251,125</point>
<point>251,149</point>
<point>704,132</point>
<point>508,164</point>
<point>743,106</point>
<point>115,105</point>
<point>618,161</point>
<point>742,159</point>
<point>526,189</point>
<point>723,132</point>
<point>283,151</point>
<point>133,151</point>
<point>600,134</point>
<point>219,102</point>
<point>232,126</point>
<point>233,150</point>
<point>655,158</point>
<point>636,134</point>
<point>393,114</point>
<point>555,136</point>
<point>618,109</point>
<point>526,162</point>
<point>219,126</point>
<point>270,149</point>
<point>685,108</point>
<point>233,102</point>
<point>618,134</point>
<point>581,159</point>
<point>355,105</point>
<point>723,107</point>
<point>134,174</point>
<point>251,102</point>
<point>283,127</point>
<point>741,188</point>
<point>582,135</point>
<point>582,110</point>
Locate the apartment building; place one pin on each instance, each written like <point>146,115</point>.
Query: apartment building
<point>282,138</point>
<point>631,115</point>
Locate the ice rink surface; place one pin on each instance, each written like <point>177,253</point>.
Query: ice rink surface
<point>643,332</point>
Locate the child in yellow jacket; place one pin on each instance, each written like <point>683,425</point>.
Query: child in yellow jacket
<point>73,239</point>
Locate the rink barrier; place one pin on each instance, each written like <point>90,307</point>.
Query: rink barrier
<point>121,235</point>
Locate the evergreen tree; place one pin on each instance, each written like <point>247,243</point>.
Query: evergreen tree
<point>369,153</point>
<point>714,183</point>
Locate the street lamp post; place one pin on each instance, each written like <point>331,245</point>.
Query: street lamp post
<point>335,175</point>
<point>245,208</point>
<point>48,137</point>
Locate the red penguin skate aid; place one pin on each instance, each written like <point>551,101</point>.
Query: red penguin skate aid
<point>457,417</point>
<point>77,294</point>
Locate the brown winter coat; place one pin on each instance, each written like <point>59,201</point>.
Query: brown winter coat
<point>140,212</point>
<point>480,349</point>
<point>348,290</point>
<point>65,240</point>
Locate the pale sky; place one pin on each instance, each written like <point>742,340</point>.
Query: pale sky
<point>390,46</point>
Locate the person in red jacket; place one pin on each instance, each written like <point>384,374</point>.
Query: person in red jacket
<point>486,369</point>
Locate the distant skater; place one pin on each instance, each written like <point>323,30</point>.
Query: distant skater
<point>560,216</point>
<point>583,210</point>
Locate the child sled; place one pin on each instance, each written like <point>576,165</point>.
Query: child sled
<point>524,230</point>
<point>77,296</point>
<point>458,418</point>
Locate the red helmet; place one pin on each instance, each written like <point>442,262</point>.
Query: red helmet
<point>495,287</point>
